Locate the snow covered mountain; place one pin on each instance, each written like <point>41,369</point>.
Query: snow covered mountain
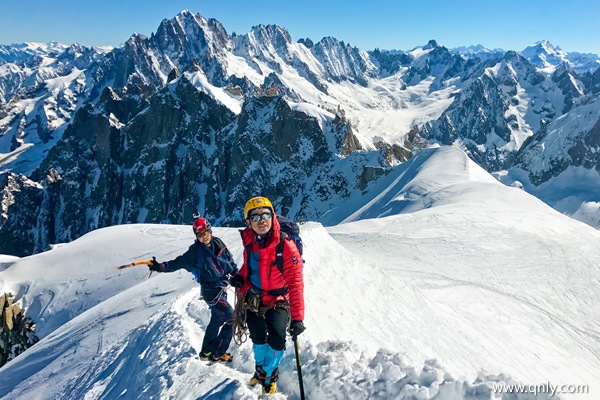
<point>441,284</point>
<point>560,164</point>
<point>544,55</point>
<point>192,118</point>
<point>500,109</point>
<point>38,97</point>
<point>20,52</point>
<point>480,51</point>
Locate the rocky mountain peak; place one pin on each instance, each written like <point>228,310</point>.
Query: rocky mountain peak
<point>432,44</point>
<point>342,61</point>
<point>135,40</point>
<point>516,67</point>
<point>542,46</point>
<point>265,35</point>
<point>306,42</point>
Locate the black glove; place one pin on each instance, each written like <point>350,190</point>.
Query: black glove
<point>296,328</point>
<point>236,281</point>
<point>156,266</point>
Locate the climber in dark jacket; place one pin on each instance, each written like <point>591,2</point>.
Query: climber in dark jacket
<point>211,263</point>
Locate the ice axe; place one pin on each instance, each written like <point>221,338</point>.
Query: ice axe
<point>140,262</point>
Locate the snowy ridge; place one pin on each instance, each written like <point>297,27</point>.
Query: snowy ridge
<point>480,283</point>
<point>198,79</point>
<point>24,51</point>
<point>412,186</point>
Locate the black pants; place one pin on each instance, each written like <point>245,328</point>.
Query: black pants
<point>219,330</point>
<point>271,329</point>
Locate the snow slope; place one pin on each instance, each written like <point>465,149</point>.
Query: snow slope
<point>468,283</point>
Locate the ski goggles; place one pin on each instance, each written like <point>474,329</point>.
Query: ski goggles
<point>202,234</point>
<point>258,217</point>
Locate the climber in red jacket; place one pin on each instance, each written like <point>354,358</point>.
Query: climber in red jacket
<point>271,297</point>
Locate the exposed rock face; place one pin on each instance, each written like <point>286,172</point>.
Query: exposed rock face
<point>487,117</point>
<point>349,142</point>
<point>343,62</point>
<point>22,202</point>
<point>17,332</point>
<point>149,170</point>
<point>278,152</point>
<point>565,79</point>
<point>390,63</point>
<point>183,153</point>
<point>479,109</point>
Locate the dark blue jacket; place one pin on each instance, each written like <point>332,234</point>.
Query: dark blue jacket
<point>211,266</point>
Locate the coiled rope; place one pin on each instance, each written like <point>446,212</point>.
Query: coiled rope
<point>240,327</point>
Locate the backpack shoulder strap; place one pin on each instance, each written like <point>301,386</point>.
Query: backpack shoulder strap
<point>279,251</point>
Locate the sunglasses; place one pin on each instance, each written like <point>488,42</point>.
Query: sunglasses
<point>257,217</point>
<point>201,234</point>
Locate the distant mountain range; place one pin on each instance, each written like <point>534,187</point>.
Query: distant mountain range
<point>542,55</point>
<point>20,52</point>
<point>195,119</point>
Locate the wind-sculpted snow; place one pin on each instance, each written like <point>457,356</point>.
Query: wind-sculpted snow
<point>97,355</point>
<point>158,359</point>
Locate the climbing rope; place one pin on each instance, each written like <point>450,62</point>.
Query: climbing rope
<point>240,327</point>
<point>214,301</point>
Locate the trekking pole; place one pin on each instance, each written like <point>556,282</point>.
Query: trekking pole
<point>299,365</point>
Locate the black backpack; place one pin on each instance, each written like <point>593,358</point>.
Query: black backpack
<point>290,230</point>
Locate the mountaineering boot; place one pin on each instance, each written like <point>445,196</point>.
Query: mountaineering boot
<point>204,356</point>
<point>225,358</point>
<point>268,384</point>
<point>270,388</point>
<point>258,375</point>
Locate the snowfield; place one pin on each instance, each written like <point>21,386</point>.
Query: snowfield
<point>437,283</point>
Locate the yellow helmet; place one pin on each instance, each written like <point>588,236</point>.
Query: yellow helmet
<point>257,202</point>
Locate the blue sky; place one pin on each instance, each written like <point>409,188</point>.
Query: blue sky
<point>402,24</point>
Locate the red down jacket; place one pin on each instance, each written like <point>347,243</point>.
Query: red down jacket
<point>270,277</point>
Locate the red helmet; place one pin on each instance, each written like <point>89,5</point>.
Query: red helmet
<point>201,225</point>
